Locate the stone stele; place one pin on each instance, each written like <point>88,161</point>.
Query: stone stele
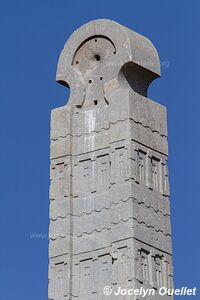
<point>109,190</point>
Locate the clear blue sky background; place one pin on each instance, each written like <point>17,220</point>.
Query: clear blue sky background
<point>32,35</point>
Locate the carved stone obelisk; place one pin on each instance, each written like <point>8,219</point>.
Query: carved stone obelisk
<point>109,190</point>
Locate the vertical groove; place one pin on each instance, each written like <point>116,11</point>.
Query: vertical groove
<point>71,211</point>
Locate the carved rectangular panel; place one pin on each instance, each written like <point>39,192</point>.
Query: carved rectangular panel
<point>141,167</point>
<point>86,277</point>
<point>103,172</point>
<point>85,176</point>
<point>58,280</point>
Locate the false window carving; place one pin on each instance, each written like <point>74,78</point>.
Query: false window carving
<point>105,269</point>
<point>121,164</point>
<point>165,180</point>
<point>60,281</point>
<point>122,263</point>
<point>155,172</point>
<point>59,178</point>
<point>85,175</point>
<point>59,181</point>
<point>158,263</point>
<point>86,276</point>
<point>103,171</point>
<point>167,277</point>
<point>144,266</point>
<point>141,166</point>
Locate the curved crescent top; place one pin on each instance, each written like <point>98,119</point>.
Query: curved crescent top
<point>130,47</point>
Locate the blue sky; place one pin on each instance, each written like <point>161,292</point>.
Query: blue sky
<point>32,36</point>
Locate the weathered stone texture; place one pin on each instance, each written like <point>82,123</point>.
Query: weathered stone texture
<point>109,191</point>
